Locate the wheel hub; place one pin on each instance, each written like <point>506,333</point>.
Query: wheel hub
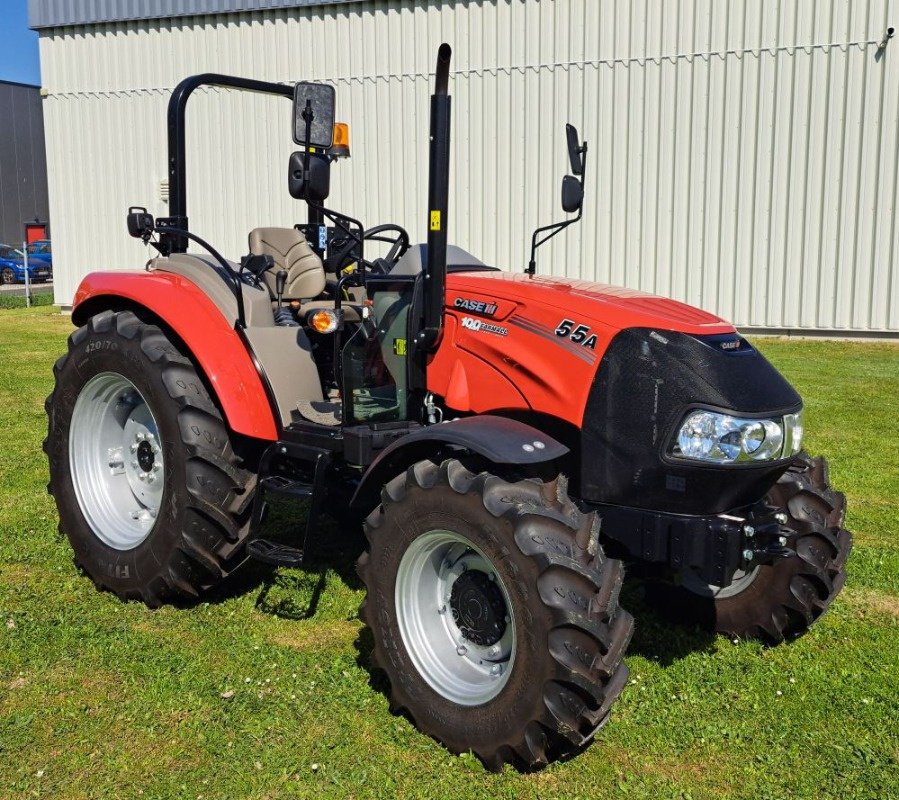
<point>116,461</point>
<point>478,608</point>
<point>455,617</point>
<point>145,456</point>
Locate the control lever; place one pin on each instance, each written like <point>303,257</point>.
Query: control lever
<point>283,315</point>
<point>280,282</point>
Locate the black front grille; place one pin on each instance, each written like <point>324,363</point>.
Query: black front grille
<point>645,384</point>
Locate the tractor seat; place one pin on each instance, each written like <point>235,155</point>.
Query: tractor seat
<point>305,271</point>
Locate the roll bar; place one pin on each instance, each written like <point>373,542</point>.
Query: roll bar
<point>173,242</point>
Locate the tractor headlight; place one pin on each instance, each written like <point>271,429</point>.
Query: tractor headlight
<point>726,439</point>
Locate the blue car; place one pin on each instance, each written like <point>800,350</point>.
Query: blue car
<point>40,250</point>
<point>12,267</point>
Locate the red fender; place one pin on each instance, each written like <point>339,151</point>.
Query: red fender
<point>211,338</point>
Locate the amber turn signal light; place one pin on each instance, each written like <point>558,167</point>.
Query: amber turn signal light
<point>325,320</point>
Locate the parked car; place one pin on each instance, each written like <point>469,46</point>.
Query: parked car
<point>41,250</point>
<point>12,266</point>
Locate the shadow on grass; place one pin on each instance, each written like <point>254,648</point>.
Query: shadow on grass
<point>660,634</point>
<point>331,547</point>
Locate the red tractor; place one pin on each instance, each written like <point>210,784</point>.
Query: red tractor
<point>510,438</point>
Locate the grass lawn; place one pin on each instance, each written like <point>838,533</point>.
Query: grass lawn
<point>102,699</point>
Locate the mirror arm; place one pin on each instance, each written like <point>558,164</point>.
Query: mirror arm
<point>557,227</point>
<point>308,116</point>
<point>339,219</point>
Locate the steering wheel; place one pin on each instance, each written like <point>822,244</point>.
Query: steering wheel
<point>399,244</point>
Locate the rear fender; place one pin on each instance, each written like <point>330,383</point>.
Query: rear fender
<point>209,336</point>
<point>498,439</point>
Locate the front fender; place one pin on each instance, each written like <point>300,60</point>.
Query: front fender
<point>498,439</point>
<point>210,337</point>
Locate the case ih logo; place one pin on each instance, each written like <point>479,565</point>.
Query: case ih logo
<point>475,306</point>
<point>485,327</point>
<point>733,344</point>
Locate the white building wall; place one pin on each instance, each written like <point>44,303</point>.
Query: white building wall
<point>743,154</point>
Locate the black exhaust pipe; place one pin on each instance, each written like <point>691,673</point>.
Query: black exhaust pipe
<point>434,270</point>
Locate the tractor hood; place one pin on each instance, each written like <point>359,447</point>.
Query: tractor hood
<point>534,344</point>
<point>610,307</point>
<point>620,367</point>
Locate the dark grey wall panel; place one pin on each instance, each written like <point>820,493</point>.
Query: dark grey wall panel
<point>55,13</point>
<point>23,160</point>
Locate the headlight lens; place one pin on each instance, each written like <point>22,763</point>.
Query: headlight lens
<point>726,439</point>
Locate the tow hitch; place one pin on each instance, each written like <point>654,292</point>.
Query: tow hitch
<point>713,547</point>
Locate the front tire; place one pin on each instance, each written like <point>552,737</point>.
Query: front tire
<point>150,493</point>
<point>7,276</point>
<point>779,601</point>
<point>494,613</point>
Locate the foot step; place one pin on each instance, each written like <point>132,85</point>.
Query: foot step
<point>277,484</point>
<point>274,554</point>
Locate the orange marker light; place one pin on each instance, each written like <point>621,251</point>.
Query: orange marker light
<point>340,145</point>
<point>324,320</point>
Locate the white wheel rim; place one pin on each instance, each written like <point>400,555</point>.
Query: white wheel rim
<point>116,461</point>
<point>741,581</point>
<point>431,618</point>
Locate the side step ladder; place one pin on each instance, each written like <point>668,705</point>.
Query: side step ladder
<point>279,554</point>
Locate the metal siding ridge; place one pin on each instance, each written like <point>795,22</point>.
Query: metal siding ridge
<point>57,13</point>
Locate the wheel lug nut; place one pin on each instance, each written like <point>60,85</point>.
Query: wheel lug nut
<point>748,554</point>
<point>461,650</point>
<point>781,518</point>
<point>494,651</point>
<point>133,447</point>
<point>496,669</point>
<point>141,435</point>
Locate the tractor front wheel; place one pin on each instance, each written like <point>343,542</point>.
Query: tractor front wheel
<point>150,493</point>
<point>494,613</point>
<point>778,601</point>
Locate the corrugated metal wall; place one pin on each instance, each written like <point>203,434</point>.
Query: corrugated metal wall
<point>23,167</point>
<point>743,154</point>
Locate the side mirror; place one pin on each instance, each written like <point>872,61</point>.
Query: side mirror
<point>572,194</point>
<point>575,153</point>
<point>313,115</point>
<point>314,186</point>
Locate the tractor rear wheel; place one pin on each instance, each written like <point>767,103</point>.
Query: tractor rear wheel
<point>779,601</point>
<point>494,613</point>
<point>150,492</point>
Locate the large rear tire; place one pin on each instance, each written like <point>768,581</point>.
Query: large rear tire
<point>494,613</point>
<point>150,493</point>
<point>781,600</point>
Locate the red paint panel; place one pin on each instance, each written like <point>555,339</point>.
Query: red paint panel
<point>211,338</point>
<point>466,380</point>
<point>553,374</point>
